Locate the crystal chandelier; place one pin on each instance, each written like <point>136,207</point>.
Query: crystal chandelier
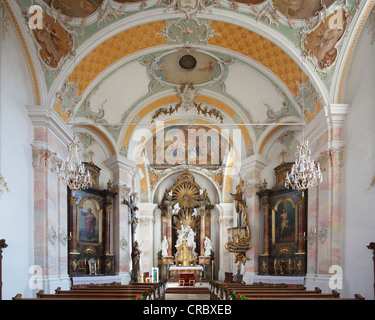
<point>73,172</point>
<point>305,172</point>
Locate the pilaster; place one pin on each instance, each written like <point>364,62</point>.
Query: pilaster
<point>51,136</point>
<point>250,174</point>
<point>225,221</point>
<point>123,171</point>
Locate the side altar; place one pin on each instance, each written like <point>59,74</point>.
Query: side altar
<point>186,230</point>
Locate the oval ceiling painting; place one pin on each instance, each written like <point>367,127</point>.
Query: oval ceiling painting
<point>75,8</point>
<point>297,9</point>
<point>182,67</point>
<point>251,1</point>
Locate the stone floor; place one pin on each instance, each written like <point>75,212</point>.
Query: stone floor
<point>180,293</point>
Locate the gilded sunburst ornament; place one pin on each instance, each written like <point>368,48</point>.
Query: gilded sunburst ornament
<point>186,195</point>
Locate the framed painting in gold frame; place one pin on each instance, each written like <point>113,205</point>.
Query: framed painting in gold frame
<point>89,222</point>
<point>285,222</point>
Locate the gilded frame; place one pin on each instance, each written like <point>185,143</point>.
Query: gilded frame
<point>293,212</point>
<point>93,204</point>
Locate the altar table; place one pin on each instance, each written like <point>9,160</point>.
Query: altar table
<point>179,270</point>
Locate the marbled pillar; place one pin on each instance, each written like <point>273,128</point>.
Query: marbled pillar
<point>145,235</point>
<point>51,137</point>
<point>324,200</point>
<point>123,172</point>
<point>250,173</point>
<point>224,261</point>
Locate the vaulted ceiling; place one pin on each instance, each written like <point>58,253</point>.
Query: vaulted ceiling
<point>265,67</point>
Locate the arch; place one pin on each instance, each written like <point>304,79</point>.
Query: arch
<point>101,134</point>
<point>157,186</point>
<point>342,69</point>
<point>174,99</point>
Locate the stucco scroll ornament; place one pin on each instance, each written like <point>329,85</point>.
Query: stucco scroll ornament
<point>68,97</point>
<point>189,7</point>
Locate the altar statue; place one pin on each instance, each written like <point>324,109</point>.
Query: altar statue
<point>207,247</point>
<point>187,234</point>
<point>186,245</point>
<point>176,208</point>
<point>164,247</point>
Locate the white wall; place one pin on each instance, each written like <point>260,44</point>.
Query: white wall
<point>359,168</point>
<point>16,135</point>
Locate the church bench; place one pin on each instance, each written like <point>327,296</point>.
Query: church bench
<point>295,295</point>
<point>89,295</point>
<point>135,291</point>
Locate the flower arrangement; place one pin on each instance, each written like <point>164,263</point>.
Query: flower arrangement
<point>229,292</point>
<point>152,290</point>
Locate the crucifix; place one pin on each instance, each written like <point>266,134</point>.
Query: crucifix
<point>92,154</point>
<point>282,154</point>
<point>133,219</point>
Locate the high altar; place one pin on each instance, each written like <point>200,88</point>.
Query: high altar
<point>186,229</point>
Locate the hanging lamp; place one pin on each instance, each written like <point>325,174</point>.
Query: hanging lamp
<point>73,172</point>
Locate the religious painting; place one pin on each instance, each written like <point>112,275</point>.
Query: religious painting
<point>186,144</point>
<point>297,9</point>
<point>89,224</point>
<point>285,222</point>
<point>181,67</point>
<point>55,41</point>
<point>321,44</point>
<point>75,8</point>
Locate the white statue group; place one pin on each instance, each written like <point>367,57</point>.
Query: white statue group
<point>186,233</point>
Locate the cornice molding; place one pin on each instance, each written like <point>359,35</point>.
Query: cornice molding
<point>43,117</point>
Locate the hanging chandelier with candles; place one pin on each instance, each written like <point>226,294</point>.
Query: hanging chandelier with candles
<point>305,173</point>
<point>73,172</point>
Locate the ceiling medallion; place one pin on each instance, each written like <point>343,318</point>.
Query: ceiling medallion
<point>188,62</point>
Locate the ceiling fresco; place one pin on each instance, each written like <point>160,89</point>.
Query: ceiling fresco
<point>165,52</point>
<point>301,9</point>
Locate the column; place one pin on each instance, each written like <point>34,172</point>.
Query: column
<point>123,172</point>
<point>145,235</point>
<point>73,225</point>
<point>107,228</point>
<point>224,259</point>
<point>301,224</point>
